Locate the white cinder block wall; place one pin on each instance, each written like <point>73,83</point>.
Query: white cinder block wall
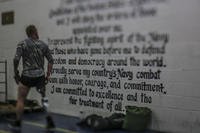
<point>177,111</point>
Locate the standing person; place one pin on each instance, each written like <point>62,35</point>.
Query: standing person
<point>33,52</point>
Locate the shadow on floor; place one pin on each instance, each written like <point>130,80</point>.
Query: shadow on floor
<point>35,123</point>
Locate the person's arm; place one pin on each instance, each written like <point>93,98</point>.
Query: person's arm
<point>16,64</point>
<point>50,62</point>
<point>49,68</point>
<point>16,60</point>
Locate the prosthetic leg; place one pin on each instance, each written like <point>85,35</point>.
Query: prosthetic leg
<point>49,121</point>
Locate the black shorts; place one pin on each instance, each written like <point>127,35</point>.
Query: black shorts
<point>38,82</point>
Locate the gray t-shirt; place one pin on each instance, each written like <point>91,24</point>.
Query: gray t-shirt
<point>33,53</point>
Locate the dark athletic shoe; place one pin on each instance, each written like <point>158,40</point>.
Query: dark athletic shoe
<point>16,125</point>
<point>50,124</point>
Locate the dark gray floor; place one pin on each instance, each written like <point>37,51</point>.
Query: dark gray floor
<point>35,123</point>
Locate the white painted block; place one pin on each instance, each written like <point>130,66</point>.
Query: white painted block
<point>196,121</point>
<point>183,89</point>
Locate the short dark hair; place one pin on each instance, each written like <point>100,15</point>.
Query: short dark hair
<point>30,30</point>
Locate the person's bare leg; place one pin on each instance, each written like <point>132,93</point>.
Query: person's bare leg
<point>22,94</point>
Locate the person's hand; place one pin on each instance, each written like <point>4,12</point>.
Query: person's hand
<point>17,77</point>
<point>47,78</point>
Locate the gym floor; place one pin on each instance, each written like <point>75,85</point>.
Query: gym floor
<point>35,123</point>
